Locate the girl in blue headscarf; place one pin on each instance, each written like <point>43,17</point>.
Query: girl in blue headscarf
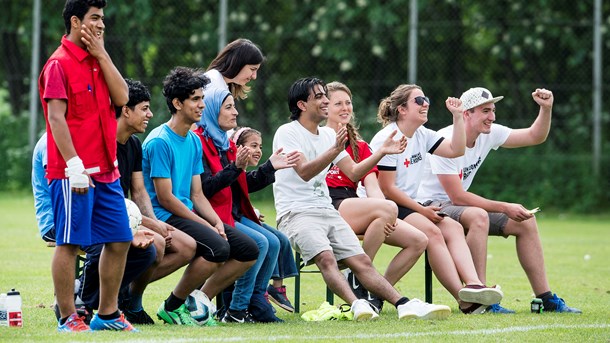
<point>226,185</point>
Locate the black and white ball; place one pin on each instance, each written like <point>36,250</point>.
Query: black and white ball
<point>134,215</point>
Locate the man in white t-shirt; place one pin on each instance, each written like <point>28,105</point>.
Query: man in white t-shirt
<point>305,213</point>
<point>446,182</point>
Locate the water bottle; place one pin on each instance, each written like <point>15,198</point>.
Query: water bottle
<point>536,305</point>
<point>3,313</point>
<point>13,308</point>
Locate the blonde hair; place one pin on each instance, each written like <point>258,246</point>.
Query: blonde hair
<point>352,128</point>
<point>388,107</point>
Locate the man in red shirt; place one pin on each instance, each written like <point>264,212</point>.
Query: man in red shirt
<point>79,87</point>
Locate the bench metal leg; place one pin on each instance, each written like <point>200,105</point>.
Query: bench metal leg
<point>428,279</point>
<point>297,284</point>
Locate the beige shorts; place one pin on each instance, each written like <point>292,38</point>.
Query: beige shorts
<point>313,231</point>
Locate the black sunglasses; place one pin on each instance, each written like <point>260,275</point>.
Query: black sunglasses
<point>420,100</point>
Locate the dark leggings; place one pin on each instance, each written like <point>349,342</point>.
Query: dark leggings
<point>211,246</point>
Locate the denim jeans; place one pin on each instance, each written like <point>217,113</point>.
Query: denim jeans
<point>256,279</point>
<point>285,267</point>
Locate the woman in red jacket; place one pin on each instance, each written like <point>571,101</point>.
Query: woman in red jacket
<point>226,185</point>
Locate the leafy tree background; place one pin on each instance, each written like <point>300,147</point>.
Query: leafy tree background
<point>510,47</point>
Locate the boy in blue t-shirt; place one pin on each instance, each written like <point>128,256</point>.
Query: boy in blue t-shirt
<point>172,162</point>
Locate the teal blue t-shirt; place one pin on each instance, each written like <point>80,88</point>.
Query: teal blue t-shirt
<point>166,154</point>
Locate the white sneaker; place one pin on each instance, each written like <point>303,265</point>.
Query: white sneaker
<point>417,309</point>
<point>483,295</point>
<point>363,311</point>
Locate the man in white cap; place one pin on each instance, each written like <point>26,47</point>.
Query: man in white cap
<point>447,180</point>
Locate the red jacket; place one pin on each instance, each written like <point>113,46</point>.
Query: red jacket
<point>222,201</point>
<point>90,114</point>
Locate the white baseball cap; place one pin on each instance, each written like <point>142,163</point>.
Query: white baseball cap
<point>478,96</point>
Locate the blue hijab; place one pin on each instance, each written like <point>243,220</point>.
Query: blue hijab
<point>213,100</point>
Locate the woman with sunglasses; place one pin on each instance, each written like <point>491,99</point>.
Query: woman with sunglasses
<point>406,110</point>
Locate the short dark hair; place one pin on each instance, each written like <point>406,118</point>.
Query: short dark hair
<point>79,8</point>
<point>232,58</point>
<point>180,83</point>
<point>299,91</point>
<point>137,93</point>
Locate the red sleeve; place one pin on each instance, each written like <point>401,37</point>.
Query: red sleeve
<point>54,82</point>
<point>364,152</point>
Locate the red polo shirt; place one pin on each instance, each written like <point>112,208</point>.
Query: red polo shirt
<point>72,74</point>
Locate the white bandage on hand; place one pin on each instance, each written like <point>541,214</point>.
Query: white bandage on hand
<point>74,171</point>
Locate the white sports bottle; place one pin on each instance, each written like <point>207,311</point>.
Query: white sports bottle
<point>3,313</point>
<point>13,308</point>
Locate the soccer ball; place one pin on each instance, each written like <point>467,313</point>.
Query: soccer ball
<point>134,215</point>
<point>200,307</point>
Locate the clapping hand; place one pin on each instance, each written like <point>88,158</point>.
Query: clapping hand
<point>280,160</point>
<point>391,146</point>
<point>242,158</point>
<point>341,138</point>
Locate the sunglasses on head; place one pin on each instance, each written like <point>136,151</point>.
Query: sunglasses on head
<point>420,100</point>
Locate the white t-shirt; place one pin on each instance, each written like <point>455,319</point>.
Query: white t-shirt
<point>409,165</point>
<point>216,80</point>
<point>465,166</point>
<point>290,191</point>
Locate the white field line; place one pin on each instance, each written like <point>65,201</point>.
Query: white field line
<point>370,336</point>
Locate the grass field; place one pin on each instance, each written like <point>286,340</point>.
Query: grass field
<point>583,282</point>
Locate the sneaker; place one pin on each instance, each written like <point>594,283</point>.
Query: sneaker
<point>241,317</point>
<point>179,316</point>
<point>557,304</point>
<point>363,310</point>
<point>266,295</point>
<point>278,296</point>
<point>418,309</point>
<point>355,285</point>
<point>496,308</point>
<point>138,317</point>
<point>117,324</point>
<point>81,309</point>
<point>375,302</point>
<point>474,309</point>
<point>211,322</point>
<point>478,294</point>
<point>74,323</point>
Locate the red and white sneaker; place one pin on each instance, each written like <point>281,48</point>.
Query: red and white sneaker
<point>74,323</point>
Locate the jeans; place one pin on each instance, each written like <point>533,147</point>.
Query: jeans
<point>286,266</point>
<point>256,279</point>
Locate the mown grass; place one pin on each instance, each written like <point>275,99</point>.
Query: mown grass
<point>25,265</point>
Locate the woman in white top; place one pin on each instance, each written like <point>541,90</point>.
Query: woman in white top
<point>235,66</point>
<point>368,216</point>
<point>406,110</point>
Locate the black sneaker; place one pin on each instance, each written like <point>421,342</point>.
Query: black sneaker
<point>240,317</point>
<point>354,284</point>
<point>375,301</point>
<point>138,317</point>
<point>278,296</point>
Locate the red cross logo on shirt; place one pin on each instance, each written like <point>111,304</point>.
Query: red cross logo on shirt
<point>407,162</point>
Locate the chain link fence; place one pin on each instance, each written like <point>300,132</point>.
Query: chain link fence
<point>503,46</point>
